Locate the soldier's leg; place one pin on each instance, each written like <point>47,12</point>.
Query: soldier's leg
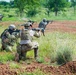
<point>2,47</point>
<point>19,52</point>
<point>43,32</point>
<point>23,55</point>
<point>23,52</point>
<point>35,53</point>
<point>17,57</point>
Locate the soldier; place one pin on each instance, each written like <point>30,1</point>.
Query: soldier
<point>26,44</point>
<point>8,38</point>
<point>42,25</point>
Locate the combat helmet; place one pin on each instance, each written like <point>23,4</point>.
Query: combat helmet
<point>12,26</point>
<point>44,19</point>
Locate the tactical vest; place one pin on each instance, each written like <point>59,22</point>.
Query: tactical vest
<point>25,35</point>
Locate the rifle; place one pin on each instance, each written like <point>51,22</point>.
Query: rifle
<point>16,32</point>
<point>32,22</point>
<point>36,29</point>
<point>49,21</point>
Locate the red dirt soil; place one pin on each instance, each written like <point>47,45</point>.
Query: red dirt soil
<point>66,69</point>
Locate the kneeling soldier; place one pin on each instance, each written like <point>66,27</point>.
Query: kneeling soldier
<point>26,43</point>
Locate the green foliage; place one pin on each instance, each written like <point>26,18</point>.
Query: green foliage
<point>20,4</point>
<point>64,50</point>
<point>14,65</point>
<point>64,55</point>
<point>73,4</point>
<point>32,7</point>
<point>4,57</point>
<point>40,60</point>
<point>31,12</point>
<point>56,5</point>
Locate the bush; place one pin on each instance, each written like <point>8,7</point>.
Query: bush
<point>63,54</point>
<point>31,12</point>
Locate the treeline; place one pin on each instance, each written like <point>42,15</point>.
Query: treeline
<point>32,7</point>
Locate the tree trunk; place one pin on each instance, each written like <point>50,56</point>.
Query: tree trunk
<point>74,9</point>
<point>48,12</point>
<point>56,12</point>
<point>21,12</point>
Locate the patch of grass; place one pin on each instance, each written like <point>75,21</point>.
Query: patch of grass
<point>36,72</point>
<point>14,65</point>
<point>64,49</point>
<point>40,60</point>
<point>6,56</point>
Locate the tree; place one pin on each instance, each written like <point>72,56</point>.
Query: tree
<point>73,4</point>
<point>32,7</point>
<point>20,4</point>
<point>56,5</point>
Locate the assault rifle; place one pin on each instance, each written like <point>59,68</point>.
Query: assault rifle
<point>32,22</point>
<point>49,21</point>
<point>16,32</point>
<point>36,29</point>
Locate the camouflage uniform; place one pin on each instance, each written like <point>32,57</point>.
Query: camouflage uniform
<point>8,38</point>
<point>42,25</point>
<point>26,44</point>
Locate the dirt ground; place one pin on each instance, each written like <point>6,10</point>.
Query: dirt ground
<point>66,69</point>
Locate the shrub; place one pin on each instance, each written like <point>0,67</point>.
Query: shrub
<point>63,54</point>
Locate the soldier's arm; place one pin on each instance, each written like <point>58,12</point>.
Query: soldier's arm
<point>49,21</point>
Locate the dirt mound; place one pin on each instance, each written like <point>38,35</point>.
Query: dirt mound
<point>66,69</point>
<point>69,67</point>
<point>5,70</point>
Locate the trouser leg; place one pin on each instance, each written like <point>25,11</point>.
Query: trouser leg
<point>2,47</point>
<point>23,55</point>
<point>35,52</point>
<point>19,51</point>
<point>43,32</point>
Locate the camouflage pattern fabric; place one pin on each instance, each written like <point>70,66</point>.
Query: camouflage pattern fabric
<point>27,44</point>
<point>8,40</point>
